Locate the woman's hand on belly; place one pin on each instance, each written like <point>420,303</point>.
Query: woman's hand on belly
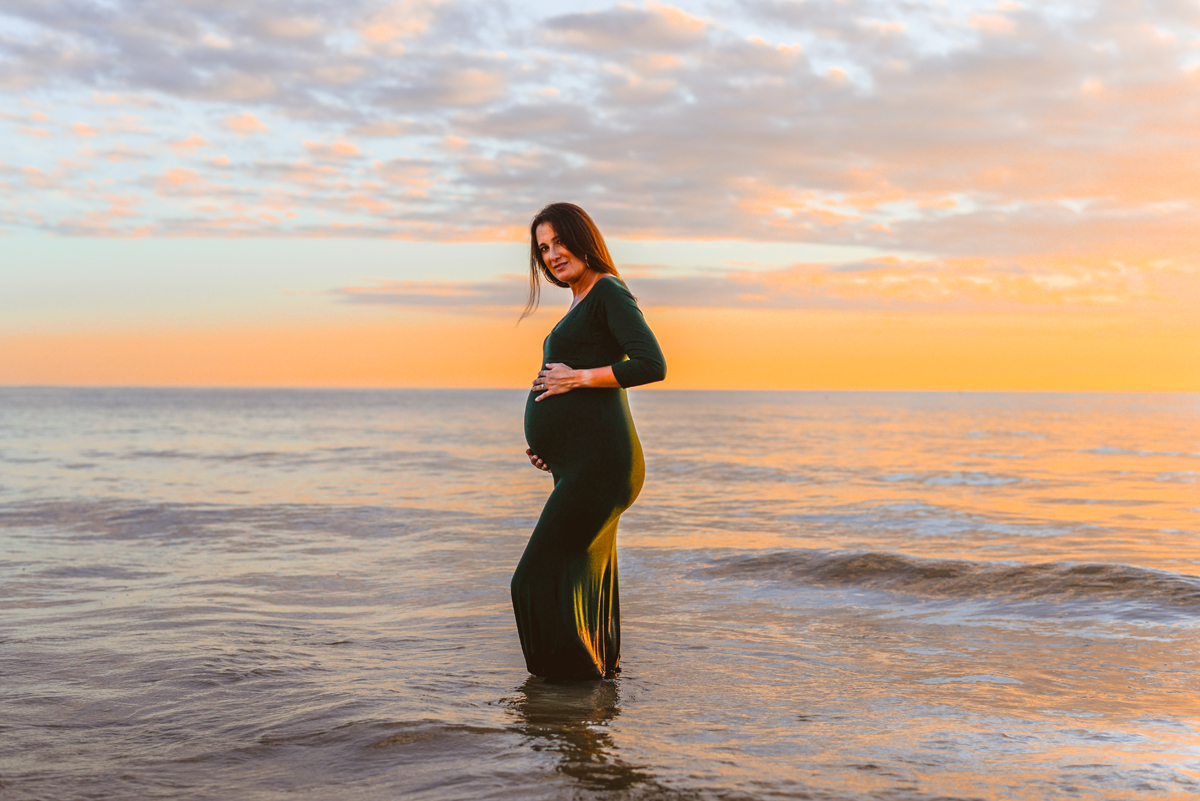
<point>536,460</point>
<point>557,378</point>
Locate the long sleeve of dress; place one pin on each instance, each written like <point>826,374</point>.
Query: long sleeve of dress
<point>627,325</point>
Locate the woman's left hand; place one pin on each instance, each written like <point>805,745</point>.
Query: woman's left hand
<point>556,379</point>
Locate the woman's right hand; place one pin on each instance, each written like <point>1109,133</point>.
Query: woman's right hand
<point>536,460</point>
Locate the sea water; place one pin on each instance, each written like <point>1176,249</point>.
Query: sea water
<point>267,594</point>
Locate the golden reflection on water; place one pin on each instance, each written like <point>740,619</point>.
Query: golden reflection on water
<point>982,476</point>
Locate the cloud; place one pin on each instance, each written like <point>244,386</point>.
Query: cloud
<point>245,124</point>
<point>442,86</point>
<point>423,294</point>
<point>120,218</point>
<point>981,283</point>
<point>381,128</point>
<point>237,87</point>
<point>332,150</point>
<point>981,135</point>
<point>992,23</point>
<point>397,21</point>
<point>191,144</point>
<point>179,178</point>
<point>291,27</point>
<point>120,152</point>
<point>626,27</point>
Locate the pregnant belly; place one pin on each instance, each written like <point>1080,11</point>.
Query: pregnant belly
<point>580,426</point>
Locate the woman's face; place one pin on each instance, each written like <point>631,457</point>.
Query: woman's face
<point>562,262</point>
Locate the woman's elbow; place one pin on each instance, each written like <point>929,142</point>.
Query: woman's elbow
<point>657,369</point>
<point>639,372</point>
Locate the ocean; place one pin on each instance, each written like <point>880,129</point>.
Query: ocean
<point>269,594</point>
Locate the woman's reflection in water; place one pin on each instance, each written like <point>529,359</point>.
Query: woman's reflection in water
<point>571,718</point>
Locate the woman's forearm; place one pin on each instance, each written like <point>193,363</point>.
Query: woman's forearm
<point>558,378</point>
<point>597,377</point>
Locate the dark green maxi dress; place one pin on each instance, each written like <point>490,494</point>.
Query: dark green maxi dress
<point>564,591</point>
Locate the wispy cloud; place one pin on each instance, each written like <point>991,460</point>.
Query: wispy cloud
<point>245,124</point>
<point>1042,283</point>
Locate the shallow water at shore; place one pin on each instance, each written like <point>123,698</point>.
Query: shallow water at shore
<point>258,593</point>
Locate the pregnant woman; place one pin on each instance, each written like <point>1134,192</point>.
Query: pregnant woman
<point>578,427</point>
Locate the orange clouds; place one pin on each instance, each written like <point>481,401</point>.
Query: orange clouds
<point>659,26</point>
<point>191,144</point>
<point>174,179</point>
<point>332,150</point>
<point>673,125</point>
<point>245,124</point>
<point>398,20</point>
<point>676,19</point>
<point>122,211</point>
<point>992,23</point>
<point>471,87</point>
<point>1146,287</point>
<point>1032,280</point>
<point>293,27</point>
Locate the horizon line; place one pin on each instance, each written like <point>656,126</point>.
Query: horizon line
<point>360,388</point>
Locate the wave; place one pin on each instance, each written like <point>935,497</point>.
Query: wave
<point>1107,450</point>
<point>124,519</point>
<point>960,478</point>
<point>1117,589</point>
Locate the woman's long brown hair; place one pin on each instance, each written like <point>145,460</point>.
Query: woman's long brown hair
<point>578,234</point>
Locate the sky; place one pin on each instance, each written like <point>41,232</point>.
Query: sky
<point>811,194</point>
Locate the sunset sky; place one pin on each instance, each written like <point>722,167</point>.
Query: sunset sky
<point>806,195</point>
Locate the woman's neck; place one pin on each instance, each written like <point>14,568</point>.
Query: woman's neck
<point>584,285</point>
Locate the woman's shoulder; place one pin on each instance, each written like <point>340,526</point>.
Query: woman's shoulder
<point>612,286</point>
